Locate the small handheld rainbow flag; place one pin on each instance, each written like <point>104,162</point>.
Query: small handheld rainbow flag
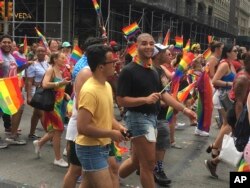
<point>166,39</point>
<point>131,30</point>
<point>187,47</point>
<point>20,61</point>
<point>183,94</point>
<point>25,45</point>
<point>43,39</point>
<point>179,42</point>
<point>206,54</point>
<point>132,50</point>
<point>169,114</point>
<point>10,95</point>
<point>119,150</point>
<point>96,6</point>
<point>76,54</point>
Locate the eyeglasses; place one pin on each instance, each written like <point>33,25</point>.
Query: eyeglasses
<point>108,62</point>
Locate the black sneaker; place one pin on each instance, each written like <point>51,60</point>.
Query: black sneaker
<point>161,178</point>
<point>211,168</point>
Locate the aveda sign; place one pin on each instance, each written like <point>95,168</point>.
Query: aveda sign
<point>23,16</point>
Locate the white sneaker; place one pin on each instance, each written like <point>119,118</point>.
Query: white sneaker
<point>65,152</point>
<point>15,141</point>
<point>200,133</point>
<point>37,148</point>
<point>61,162</point>
<point>180,125</point>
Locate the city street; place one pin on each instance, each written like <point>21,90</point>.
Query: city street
<point>19,166</point>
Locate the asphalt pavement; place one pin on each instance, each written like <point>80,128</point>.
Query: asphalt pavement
<point>19,167</point>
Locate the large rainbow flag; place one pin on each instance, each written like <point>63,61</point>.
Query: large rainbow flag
<point>10,95</point>
<point>131,30</point>
<point>43,39</point>
<point>205,102</point>
<point>75,55</point>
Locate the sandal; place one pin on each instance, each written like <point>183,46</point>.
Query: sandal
<point>210,149</point>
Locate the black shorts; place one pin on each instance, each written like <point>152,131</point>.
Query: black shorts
<point>72,157</point>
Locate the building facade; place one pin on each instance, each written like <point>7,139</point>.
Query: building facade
<point>76,19</point>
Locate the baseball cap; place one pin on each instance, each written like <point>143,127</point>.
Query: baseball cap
<point>159,47</point>
<point>66,44</point>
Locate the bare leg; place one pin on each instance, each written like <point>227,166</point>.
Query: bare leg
<point>57,144</point>
<point>15,121</point>
<point>113,169</point>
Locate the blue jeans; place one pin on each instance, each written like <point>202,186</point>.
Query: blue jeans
<point>93,158</point>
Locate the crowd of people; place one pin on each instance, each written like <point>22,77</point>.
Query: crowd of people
<point>141,86</point>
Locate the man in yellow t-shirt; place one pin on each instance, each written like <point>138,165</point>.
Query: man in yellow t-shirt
<point>95,121</point>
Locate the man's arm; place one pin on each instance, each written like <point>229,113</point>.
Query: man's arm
<point>85,127</point>
<point>170,101</point>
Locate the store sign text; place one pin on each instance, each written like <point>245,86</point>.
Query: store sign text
<point>23,16</point>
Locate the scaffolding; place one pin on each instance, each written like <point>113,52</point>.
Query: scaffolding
<point>34,9</point>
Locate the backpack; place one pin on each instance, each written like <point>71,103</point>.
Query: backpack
<point>241,130</point>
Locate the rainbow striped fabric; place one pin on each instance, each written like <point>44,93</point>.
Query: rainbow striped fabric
<point>75,55</point>
<point>187,47</point>
<point>131,30</point>
<point>20,61</point>
<point>206,54</point>
<point>96,6</point>
<point>10,95</point>
<point>179,42</point>
<point>132,50</point>
<point>243,166</point>
<point>119,151</point>
<point>166,39</point>
<point>43,39</point>
<point>25,45</point>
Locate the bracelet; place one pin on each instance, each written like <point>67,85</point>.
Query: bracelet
<point>184,109</point>
<point>56,84</point>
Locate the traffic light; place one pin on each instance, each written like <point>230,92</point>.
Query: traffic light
<point>9,10</point>
<point>2,9</point>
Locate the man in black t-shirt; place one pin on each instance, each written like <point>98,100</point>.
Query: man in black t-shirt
<point>139,90</point>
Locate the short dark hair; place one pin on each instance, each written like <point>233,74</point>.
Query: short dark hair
<point>91,41</point>
<point>96,55</point>
<point>6,36</point>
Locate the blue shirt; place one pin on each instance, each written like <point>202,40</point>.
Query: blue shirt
<point>81,63</point>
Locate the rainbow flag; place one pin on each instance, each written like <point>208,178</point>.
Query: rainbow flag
<point>243,166</point>
<point>183,94</point>
<point>167,37</point>
<point>187,47</point>
<point>169,114</point>
<point>75,55</point>
<point>131,30</point>
<point>10,95</point>
<point>20,61</point>
<point>132,50</point>
<point>119,151</point>
<point>206,54</point>
<point>179,42</point>
<point>96,6</point>
<point>205,102</point>
<point>43,39</point>
<point>25,45</point>
<point>183,66</point>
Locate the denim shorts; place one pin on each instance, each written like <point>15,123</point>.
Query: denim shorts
<point>93,158</point>
<point>163,140</point>
<point>142,125</point>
